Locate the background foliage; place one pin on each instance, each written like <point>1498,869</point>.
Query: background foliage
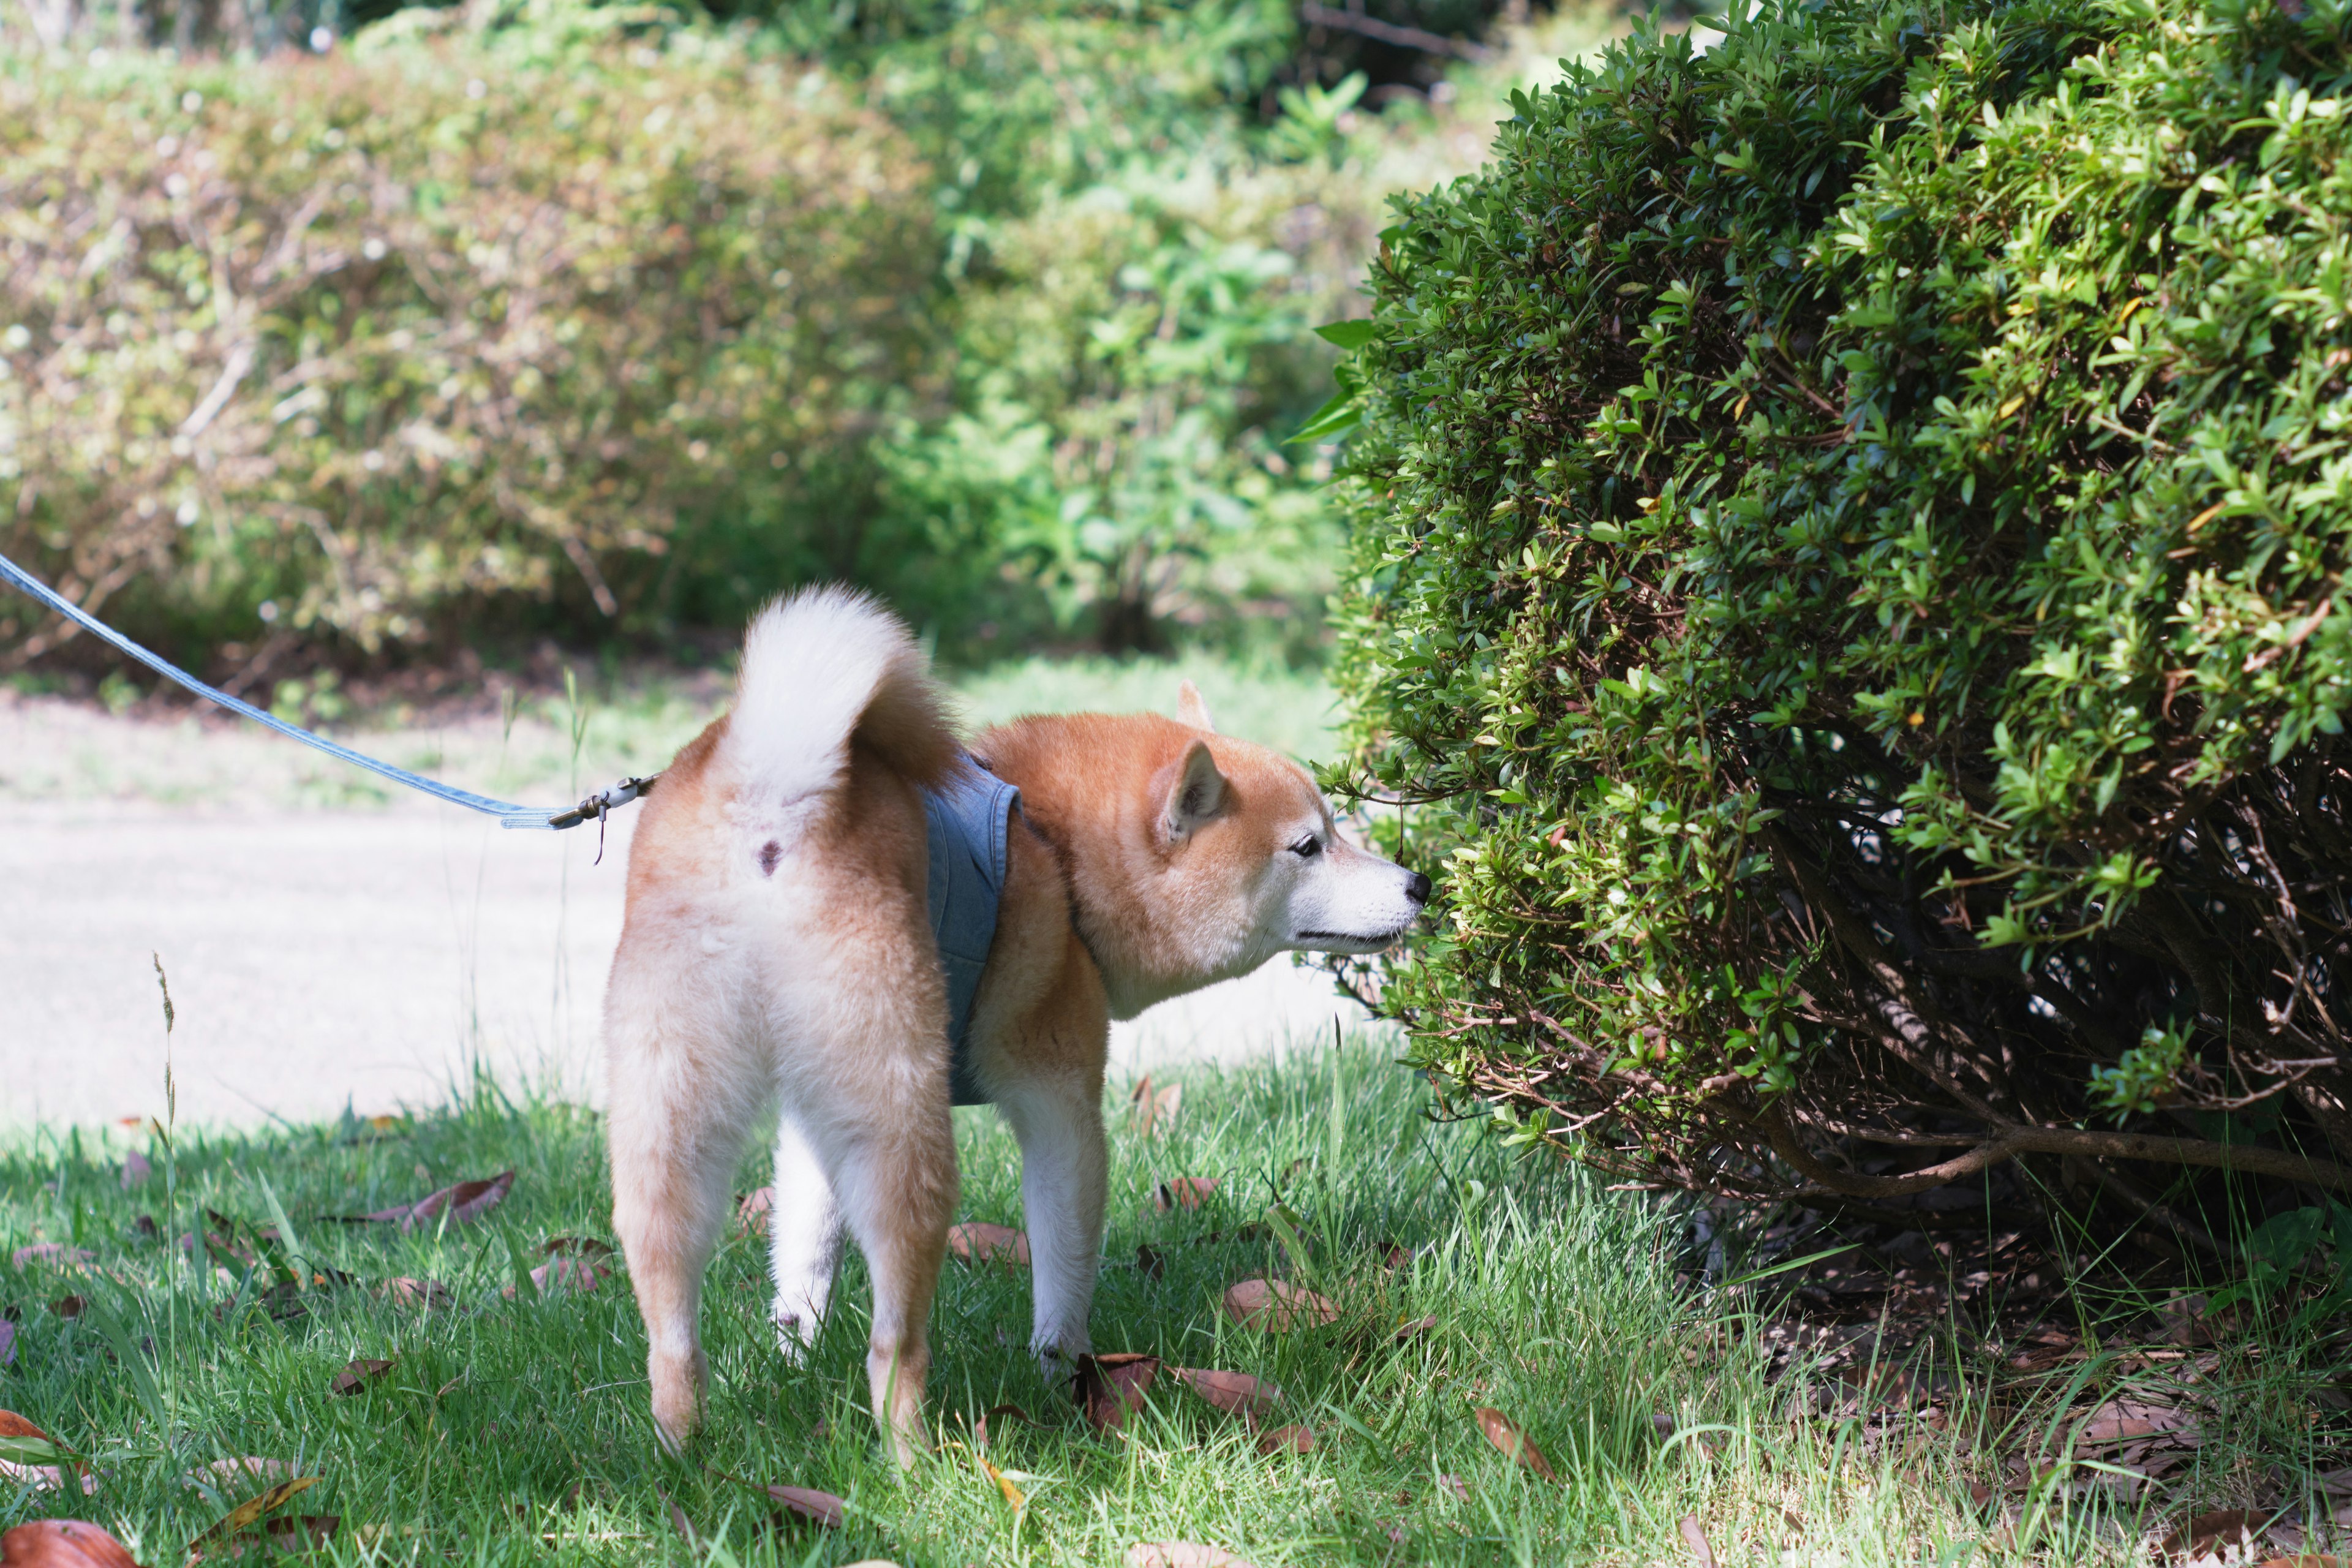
<point>534,316</point>
<point>1849,534</point>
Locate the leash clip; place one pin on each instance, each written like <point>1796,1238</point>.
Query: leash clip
<point>601,805</point>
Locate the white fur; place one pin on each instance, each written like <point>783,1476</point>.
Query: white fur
<point>812,662</point>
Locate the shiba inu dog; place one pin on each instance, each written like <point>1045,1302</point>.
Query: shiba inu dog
<point>783,946</point>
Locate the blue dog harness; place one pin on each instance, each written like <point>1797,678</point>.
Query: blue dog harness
<point>968,819</point>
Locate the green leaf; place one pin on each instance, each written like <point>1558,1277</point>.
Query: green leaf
<point>1349,335</point>
<point>1334,418</point>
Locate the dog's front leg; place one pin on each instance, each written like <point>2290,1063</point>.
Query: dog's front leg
<point>1063,1167</point>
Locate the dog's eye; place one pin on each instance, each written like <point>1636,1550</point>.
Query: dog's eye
<point>1308,848</point>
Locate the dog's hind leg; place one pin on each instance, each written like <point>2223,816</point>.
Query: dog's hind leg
<point>804,1240</point>
<point>1064,1169</point>
<point>678,1091</point>
<point>895,1177</point>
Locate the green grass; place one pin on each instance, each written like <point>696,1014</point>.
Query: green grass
<point>517,1428</point>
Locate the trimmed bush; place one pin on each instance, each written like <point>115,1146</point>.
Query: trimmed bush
<point>1850,536</point>
<point>368,350</point>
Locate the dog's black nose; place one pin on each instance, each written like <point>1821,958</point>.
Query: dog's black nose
<point>1418,888</point>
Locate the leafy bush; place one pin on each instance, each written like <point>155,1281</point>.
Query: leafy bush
<point>368,347</point>
<point>1850,531</point>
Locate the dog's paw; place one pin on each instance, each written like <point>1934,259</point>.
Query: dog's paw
<point>795,1332</point>
<point>1057,1359</point>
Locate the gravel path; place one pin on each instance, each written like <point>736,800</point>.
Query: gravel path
<point>324,956</point>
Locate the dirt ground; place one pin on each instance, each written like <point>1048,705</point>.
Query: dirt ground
<point>326,945</point>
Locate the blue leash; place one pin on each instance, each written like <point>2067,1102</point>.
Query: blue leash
<point>508,814</point>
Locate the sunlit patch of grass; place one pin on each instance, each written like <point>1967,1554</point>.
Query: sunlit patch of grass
<point>516,1428</point>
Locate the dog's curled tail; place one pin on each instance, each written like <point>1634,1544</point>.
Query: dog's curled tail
<point>822,669</point>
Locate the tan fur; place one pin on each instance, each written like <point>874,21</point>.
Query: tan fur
<point>1148,857</point>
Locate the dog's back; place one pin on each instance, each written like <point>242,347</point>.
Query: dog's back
<point>776,945</point>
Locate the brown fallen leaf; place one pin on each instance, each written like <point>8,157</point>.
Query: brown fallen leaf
<point>683,1525</point>
<point>462,1203</point>
<point>1180,1554</point>
<point>1235,1393</point>
<point>999,1414</point>
<point>42,1463</point>
<point>52,1253</point>
<point>1108,1386</point>
<point>1695,1537</point>
<point>1154,1108</point>
<point>1004,1487</point>
<point>1455,1485</point>
<point>357,1374</point>
<point>1414,1330</point>
<point>69,1306</point>
<point>1183,1192</point>
<point>404,1291</point>
<point>1286,1440</point>
<point>1275,1305</point>
<point>976,1241</point>
<point>248,1468</point>
<point>2213,1534</point>
<point>586,1247</point>
<point>558,1275</point>
<point>2123,1418</point>
<point>751,1213</point>
<point>246,1513</point>
<point>63,1543</point>
<point>824,1507</point>
<point>1151,1261</point>
<point>1395,1255</point>
<point>1505,1434</point>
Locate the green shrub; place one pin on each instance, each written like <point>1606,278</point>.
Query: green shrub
<point>1850,535</point>
<point>367,350</point>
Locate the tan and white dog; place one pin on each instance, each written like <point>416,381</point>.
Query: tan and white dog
<point>778,950</point>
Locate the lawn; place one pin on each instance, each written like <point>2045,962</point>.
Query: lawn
<point>510,1423</point>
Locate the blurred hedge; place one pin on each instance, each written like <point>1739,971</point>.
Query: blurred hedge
<point>1850,534</point>
<point>366,349</point>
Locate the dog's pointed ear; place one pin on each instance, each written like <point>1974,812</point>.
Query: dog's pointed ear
<point>1198,793</point>
<point>1191,710</point>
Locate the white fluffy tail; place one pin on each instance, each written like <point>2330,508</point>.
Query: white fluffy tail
<point>821,668</point>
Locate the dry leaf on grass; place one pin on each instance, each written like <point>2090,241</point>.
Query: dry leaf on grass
<point>1395,1255</point>
<point>69,1306</point>
<point>463,1201</point>
<point>2210,1537</point>
<point>1154,1108</point>
<point>998,1412</point>
<point>976,1241</point>
<point>1414,1330</point>
<point>1275,1305</point>
<point>1505,1434</point>
<point>1183,1192</point>
<point>63,1543</point>
<point>248,1513</point>
<point>53,1254</point>
<point>221,1472</point>
<point>559,1275</point>
<point>428,1294</point>
<point>1181,1554</point>
<point>1006,1488</point>
<point>1235,1393</point>
<point>1695,1537</point>
<point>1286,1440</point>
<point>1455,1485</point>
<point>1151,1261</point>
<point>1108,1386</point>
<point>823,1507</point>
<point>30,1456</point>
<point>2123,1418</point>
<point>751,1213</point>
<point>357,1374</point>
